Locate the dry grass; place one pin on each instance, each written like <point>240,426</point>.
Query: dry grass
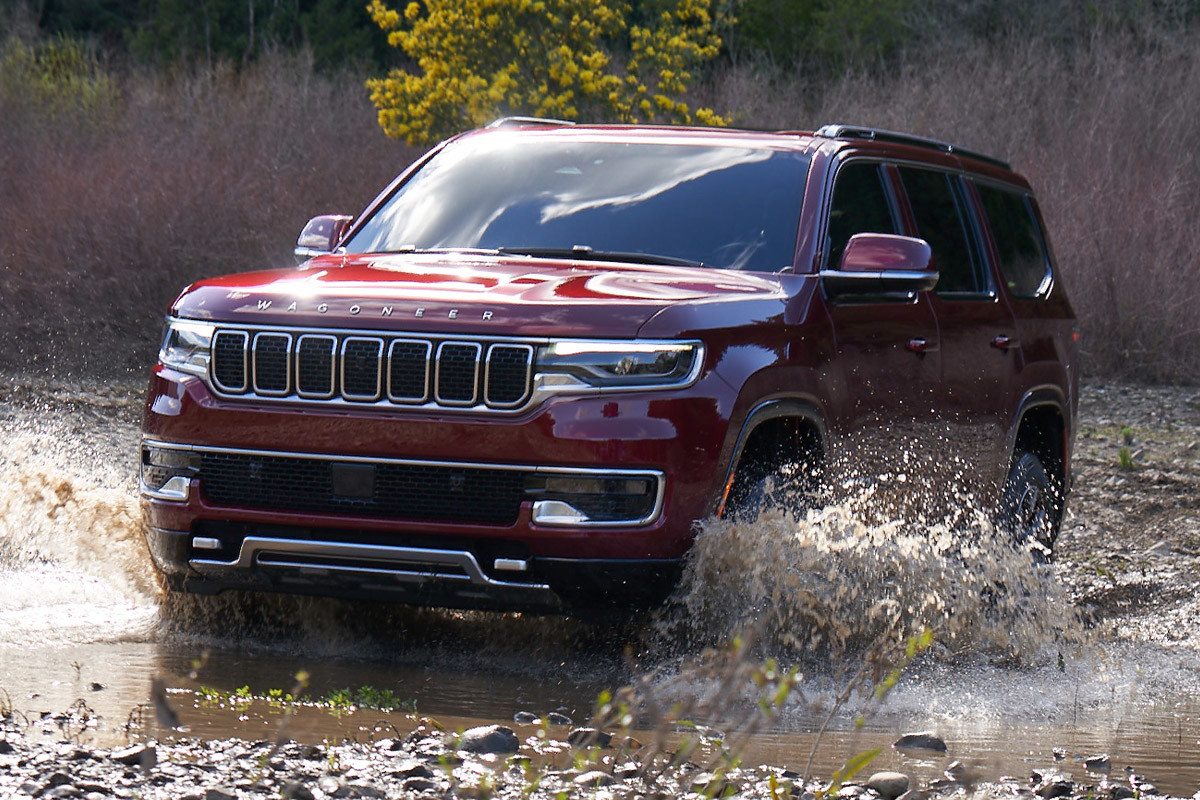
<point>189,175</point>
<point>1107,138</point>
<point>108,215</point>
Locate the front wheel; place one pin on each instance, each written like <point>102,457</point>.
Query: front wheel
<point>1031,507</point>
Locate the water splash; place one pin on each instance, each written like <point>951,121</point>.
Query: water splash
<point>839,580</point>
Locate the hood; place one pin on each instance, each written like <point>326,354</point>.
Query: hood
<point>466,294</point>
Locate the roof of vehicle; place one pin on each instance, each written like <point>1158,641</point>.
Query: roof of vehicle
<point>885,142</point>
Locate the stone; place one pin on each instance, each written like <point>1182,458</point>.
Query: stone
<point>417,785</point>
<point>589,737</point>
<point>219,794</point>
<point>62,792</point>
<point>1098,763</point>
<point>594,778</point>
<point>526,718</point>
<point>294,790</point>
<point>1060,753</point>
<point>412,768</point>
<point>889,785</point>
<point>144,755</point>
<point>1055,788</point>
<point>925,740</point>
<point>1147,788</point>
<point>555,718</point>
<point>6,747</point>
<point>1123,793</point>
<point>496,739</point>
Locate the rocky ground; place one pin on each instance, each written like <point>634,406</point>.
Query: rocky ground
<point>489,761</point>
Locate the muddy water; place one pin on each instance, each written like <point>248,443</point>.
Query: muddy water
<point>1010,677</point>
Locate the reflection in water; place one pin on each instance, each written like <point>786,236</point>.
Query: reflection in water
<point>80,618</point>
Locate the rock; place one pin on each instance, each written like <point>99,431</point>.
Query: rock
<point>914,794</point>
<point>417,785</point>
<point>496,739</point>
<point>594,778</point>
<point>627,771</point>
<point>219,794</point>
<point>1147,788</point>
<point>1055,788</point>
<point>62,792</point>
<point>6,747</point>
<point>53,782</point>
<point>294,790</point>
<point>97,687</point>
<point>1123,793</point>
<point>926,740</point>
<point>1098,763</point>
<point>958,771</point>
<point>890,785</point>
<point>526,718</point>
<point>710,785</point>
<point>413,769</point>
<point>555,718</point>
<point>328,784</point>
<point>145,755</point>
<point>1060,753</point>
<point>589,737</point>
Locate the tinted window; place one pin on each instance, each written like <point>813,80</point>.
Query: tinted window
<point>734,207</point>
<point>860,205</point>
<point>939,222</point>
<point>1023,262</point>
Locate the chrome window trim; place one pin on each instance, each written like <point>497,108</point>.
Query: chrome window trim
<point>437,374</point>
<point>332,367</point>
<point>657,476</point>
<point>487,374</point>
<point>368,398</point>
<point>424,383</point>
<point>245,360</point>
<point>287,362</point>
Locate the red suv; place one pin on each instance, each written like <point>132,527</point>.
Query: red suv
<point>545,351</point>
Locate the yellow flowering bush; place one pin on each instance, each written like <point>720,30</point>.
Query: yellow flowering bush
<point>570,59</point>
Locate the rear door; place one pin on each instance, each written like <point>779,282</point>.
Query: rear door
<point>981,356</point>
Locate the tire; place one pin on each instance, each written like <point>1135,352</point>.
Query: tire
<point>788,487</point>
<point>1031,507</point>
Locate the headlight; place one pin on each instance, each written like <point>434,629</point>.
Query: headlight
<point>186,346</point>
<point>622,364</point>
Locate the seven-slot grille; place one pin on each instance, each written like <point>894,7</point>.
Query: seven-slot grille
<point>369,368</point>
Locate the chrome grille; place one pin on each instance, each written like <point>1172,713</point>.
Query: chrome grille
<point>364,367</point>
<point>271,354</point>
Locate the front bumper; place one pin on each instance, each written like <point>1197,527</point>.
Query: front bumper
<point>539,554</point>
<point>423,576</point>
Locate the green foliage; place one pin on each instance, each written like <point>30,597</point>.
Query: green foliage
<point>571,59</point>
<point>829,33</point>
<point>58,77</point>
<point>1125,459</point>
<point>854,765</point>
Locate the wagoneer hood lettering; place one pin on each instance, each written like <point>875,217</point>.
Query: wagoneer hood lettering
<point>508,295</point>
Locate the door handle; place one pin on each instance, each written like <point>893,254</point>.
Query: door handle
<point>1003,342</point>
<point>919,345</point>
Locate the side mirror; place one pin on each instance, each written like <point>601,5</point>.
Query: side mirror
<point>321,235</point>
<point>881,266</point>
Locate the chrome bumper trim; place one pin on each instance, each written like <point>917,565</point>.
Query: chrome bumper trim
<point>410,564</point>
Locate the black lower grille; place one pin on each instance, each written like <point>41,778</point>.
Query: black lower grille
<point>471,495</point>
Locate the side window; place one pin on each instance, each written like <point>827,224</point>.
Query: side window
<point>940,222</point>
<point>1023,262</point>
<point>860,205</point>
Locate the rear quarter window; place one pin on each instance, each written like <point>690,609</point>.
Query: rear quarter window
<point>1024,265</point>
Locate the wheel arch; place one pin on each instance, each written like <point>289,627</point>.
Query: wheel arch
<point>1041,427</point>
<point>771,425</point>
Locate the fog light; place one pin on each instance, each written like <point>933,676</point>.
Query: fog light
<point>595,499</point>
<point>167,473</point>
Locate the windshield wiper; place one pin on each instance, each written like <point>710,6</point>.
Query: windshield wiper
<point>585,253</point>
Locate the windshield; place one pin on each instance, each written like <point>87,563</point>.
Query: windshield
<point>724,206</point>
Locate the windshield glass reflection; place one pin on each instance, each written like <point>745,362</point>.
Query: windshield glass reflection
<point>725,206</point>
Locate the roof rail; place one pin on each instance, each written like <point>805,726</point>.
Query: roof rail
<point>500,123</point>
<point>839,131</point>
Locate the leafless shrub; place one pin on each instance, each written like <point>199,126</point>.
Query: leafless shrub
<point>106,216</point>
